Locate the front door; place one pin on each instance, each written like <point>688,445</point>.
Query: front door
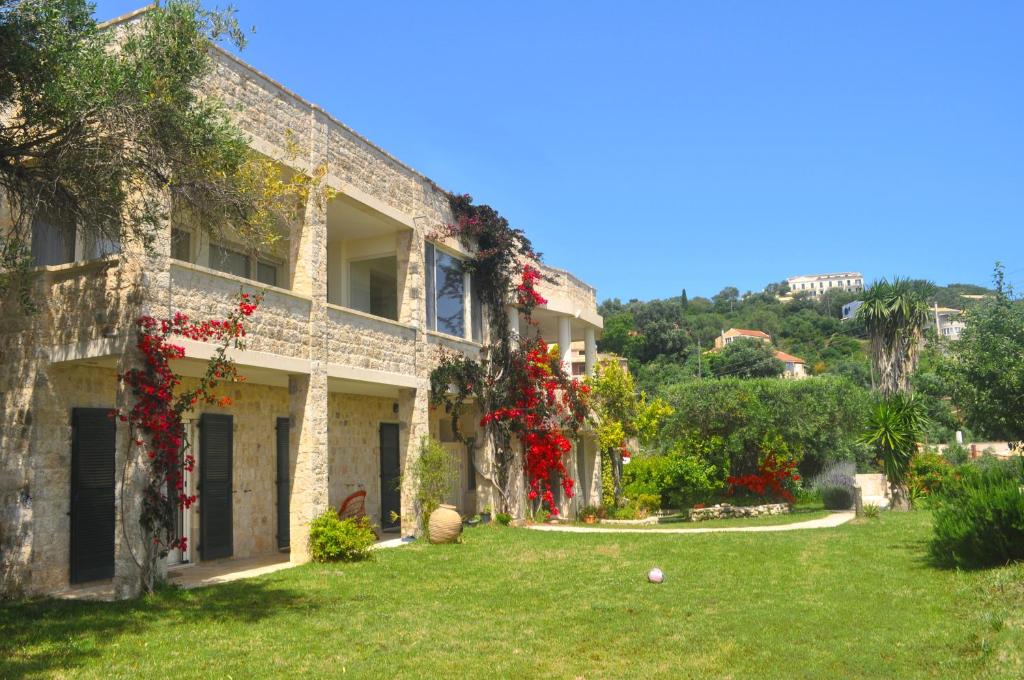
<point>93,441</point>
<point>390,476</point>
<point>216,436</point>
<point>284,487</point>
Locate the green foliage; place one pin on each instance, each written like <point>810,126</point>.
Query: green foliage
<point>955,454</point>
<point>837,497</point>
<point>432,475</point>
<point>346,540</point>
<point>929,473</point>
<point>987,370</point>
<point>894,428</point>
<point>872,511</point>
<point>503,518</point>
<point>745,358</point>
<point>979,520</point>
<point>100,137</point>
<point>818,420</point>
<point>680,478</point>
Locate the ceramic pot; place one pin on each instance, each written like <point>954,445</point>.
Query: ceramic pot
<point>445,525</point>
<point>590,519</point>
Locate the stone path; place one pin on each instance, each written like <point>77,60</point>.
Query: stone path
<point>833,520</point>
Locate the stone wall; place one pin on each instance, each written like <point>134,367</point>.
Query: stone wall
<point>726,511</point>
<point>281,326</point>
<point>354,442</point>
<point>363,341</point>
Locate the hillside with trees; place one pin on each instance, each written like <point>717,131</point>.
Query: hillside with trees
<point>666,340</point>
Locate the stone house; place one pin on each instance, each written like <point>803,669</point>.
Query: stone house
<point>795,367</point>
<point>360,300</point>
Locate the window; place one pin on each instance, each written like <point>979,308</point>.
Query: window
<point>53,241</point>
<point>229,261</point>
<point>476,311</point>
<point>266,272</point>
<point>446,293</point>
<point>374,286</point>
<point>181,245</point>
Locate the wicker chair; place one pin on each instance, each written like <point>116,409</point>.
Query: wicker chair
<point>354,506</point>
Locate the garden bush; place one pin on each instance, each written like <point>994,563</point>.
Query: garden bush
<point>819,420</point>
<point>332,539</point>
<point>837,497</point>
<point>955,454</point>
<point>978,519</point>
<point>680,478</point>
<point>929,472</point>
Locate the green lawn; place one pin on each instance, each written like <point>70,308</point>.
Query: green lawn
<point>856,601</point>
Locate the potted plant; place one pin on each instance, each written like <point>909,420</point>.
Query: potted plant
<point>485,516</point>
<point>589,514</point>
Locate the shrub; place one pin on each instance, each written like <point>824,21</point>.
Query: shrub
<point>871,511</point>
<point>680,478</point>
<point>929,472</point>
<point>837,497</point>
<point>979,520</point>
<point>839,473</point>
<point>648,502</point>
<point>503,518</point>
<point>955,454</point>
<point>433,475</point>
<point>346,540</point>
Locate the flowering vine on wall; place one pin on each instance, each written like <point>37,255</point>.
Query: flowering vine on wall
<point>156,419</point>
<point>521,387</point>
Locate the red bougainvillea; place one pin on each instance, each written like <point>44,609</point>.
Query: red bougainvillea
<point>156,418</point>
<point>524,392</point>
<point>774,479</point>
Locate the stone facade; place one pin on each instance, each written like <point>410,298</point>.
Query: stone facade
<point>336,373</point>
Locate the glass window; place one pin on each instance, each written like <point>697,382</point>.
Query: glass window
<point>476,311</point>
<point>181,245</point>
<point>53,242</point>
<point>428,258</point>
<point>229,261</point>
<point>374,286</point>
<point>446,293</point>
<point>266,272</point>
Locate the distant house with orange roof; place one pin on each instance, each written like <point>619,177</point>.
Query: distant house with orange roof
<point>795,366</point>
<point>729,336</point>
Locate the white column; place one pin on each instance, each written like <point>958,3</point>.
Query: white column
<point>565,342</point>
<point>590,349</point>
<point>513,321</point>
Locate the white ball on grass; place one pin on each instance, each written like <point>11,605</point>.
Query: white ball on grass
<point>655,575</point>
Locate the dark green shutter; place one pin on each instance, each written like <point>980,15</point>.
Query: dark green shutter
<point>215,488</point>
<point>390,473</point>
<point>283,485</point>
<point>93,441</point>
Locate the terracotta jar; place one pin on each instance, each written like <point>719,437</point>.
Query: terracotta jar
<point>445,524</point>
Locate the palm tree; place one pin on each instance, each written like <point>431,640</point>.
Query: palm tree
<point>895,315</point>
<point>894,427</point>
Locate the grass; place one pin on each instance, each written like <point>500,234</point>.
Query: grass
<point>855,601</point>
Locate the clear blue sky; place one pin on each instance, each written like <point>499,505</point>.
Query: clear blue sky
<point>655,146</point>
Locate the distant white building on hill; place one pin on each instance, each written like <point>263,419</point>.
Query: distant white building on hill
<point>819,284</point>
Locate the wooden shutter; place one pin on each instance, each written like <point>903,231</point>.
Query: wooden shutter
<point>215,486</point>
<point>390,473</point>
<point>283,485</point>
<point>93,442</point>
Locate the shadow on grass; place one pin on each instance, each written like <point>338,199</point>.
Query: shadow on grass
<point>43,636</point>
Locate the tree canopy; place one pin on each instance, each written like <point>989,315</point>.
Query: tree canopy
<point>106,128</point>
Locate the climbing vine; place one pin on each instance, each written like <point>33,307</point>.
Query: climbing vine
<point>523,391</point>
<point>156,419</point>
